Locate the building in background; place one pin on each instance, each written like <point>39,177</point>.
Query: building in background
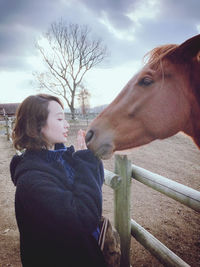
<point>8,109</point>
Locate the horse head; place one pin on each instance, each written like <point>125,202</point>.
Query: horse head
<point>162,99</point>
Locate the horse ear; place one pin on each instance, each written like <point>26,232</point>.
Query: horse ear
<point>188,50</point>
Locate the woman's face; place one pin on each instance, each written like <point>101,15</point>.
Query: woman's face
<point>56,127</point>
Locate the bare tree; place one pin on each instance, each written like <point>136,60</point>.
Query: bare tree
<point>69,53</point>
<point>83,98</point>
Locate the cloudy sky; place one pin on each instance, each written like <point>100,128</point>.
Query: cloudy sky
<point>129,28</point>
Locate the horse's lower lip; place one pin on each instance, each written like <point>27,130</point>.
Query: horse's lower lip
<point>104,151</point>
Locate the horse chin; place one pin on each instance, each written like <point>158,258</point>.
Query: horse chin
<point>105,151</point>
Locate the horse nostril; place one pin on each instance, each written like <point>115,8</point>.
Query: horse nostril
<point>89,136</point>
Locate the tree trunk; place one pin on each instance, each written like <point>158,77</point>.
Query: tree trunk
<point>72,109</point>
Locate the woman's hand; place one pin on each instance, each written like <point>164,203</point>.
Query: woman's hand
<point>81,140</point>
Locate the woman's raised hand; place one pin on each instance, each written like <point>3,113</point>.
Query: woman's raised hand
<point>81,140</point>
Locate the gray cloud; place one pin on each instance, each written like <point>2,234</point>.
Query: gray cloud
<point>175,22</point>
<point>181,10</point>
<point>27,12</point>
<point>22,21</point>
<point>115,11</point>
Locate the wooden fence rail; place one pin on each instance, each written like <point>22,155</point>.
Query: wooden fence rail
<point>155,247</point>
<point>120,182</point>
<point>177,191</point>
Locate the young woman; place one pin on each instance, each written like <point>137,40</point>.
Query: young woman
<point>58,201</point>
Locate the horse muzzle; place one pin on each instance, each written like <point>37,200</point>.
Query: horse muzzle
<point>100,145</point>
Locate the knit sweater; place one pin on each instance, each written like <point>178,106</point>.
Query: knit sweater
<point>58,205</point>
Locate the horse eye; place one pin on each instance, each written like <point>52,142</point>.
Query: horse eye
<point>145,81</point>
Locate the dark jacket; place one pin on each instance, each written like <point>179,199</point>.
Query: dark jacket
<point>56,217</point>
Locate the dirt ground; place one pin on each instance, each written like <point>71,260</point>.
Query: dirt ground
<point>175,225</point>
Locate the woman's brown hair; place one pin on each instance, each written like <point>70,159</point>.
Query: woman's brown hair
<point>31,116</point>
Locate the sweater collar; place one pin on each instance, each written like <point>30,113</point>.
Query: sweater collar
<point>51,155</point>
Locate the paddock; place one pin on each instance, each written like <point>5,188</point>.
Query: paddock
<point>174,224</point>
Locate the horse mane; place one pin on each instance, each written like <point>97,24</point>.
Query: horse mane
<point>155,56</point>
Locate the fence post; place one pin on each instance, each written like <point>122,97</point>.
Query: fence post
<point>122,219</point>
<point>7,127</point>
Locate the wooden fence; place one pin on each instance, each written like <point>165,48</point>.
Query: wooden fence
<point>8,126</point>
<point>120,182</point>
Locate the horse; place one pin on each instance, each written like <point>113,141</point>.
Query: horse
<point>162,99</point>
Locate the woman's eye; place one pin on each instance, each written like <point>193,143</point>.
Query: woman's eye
<point>145,81</point>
